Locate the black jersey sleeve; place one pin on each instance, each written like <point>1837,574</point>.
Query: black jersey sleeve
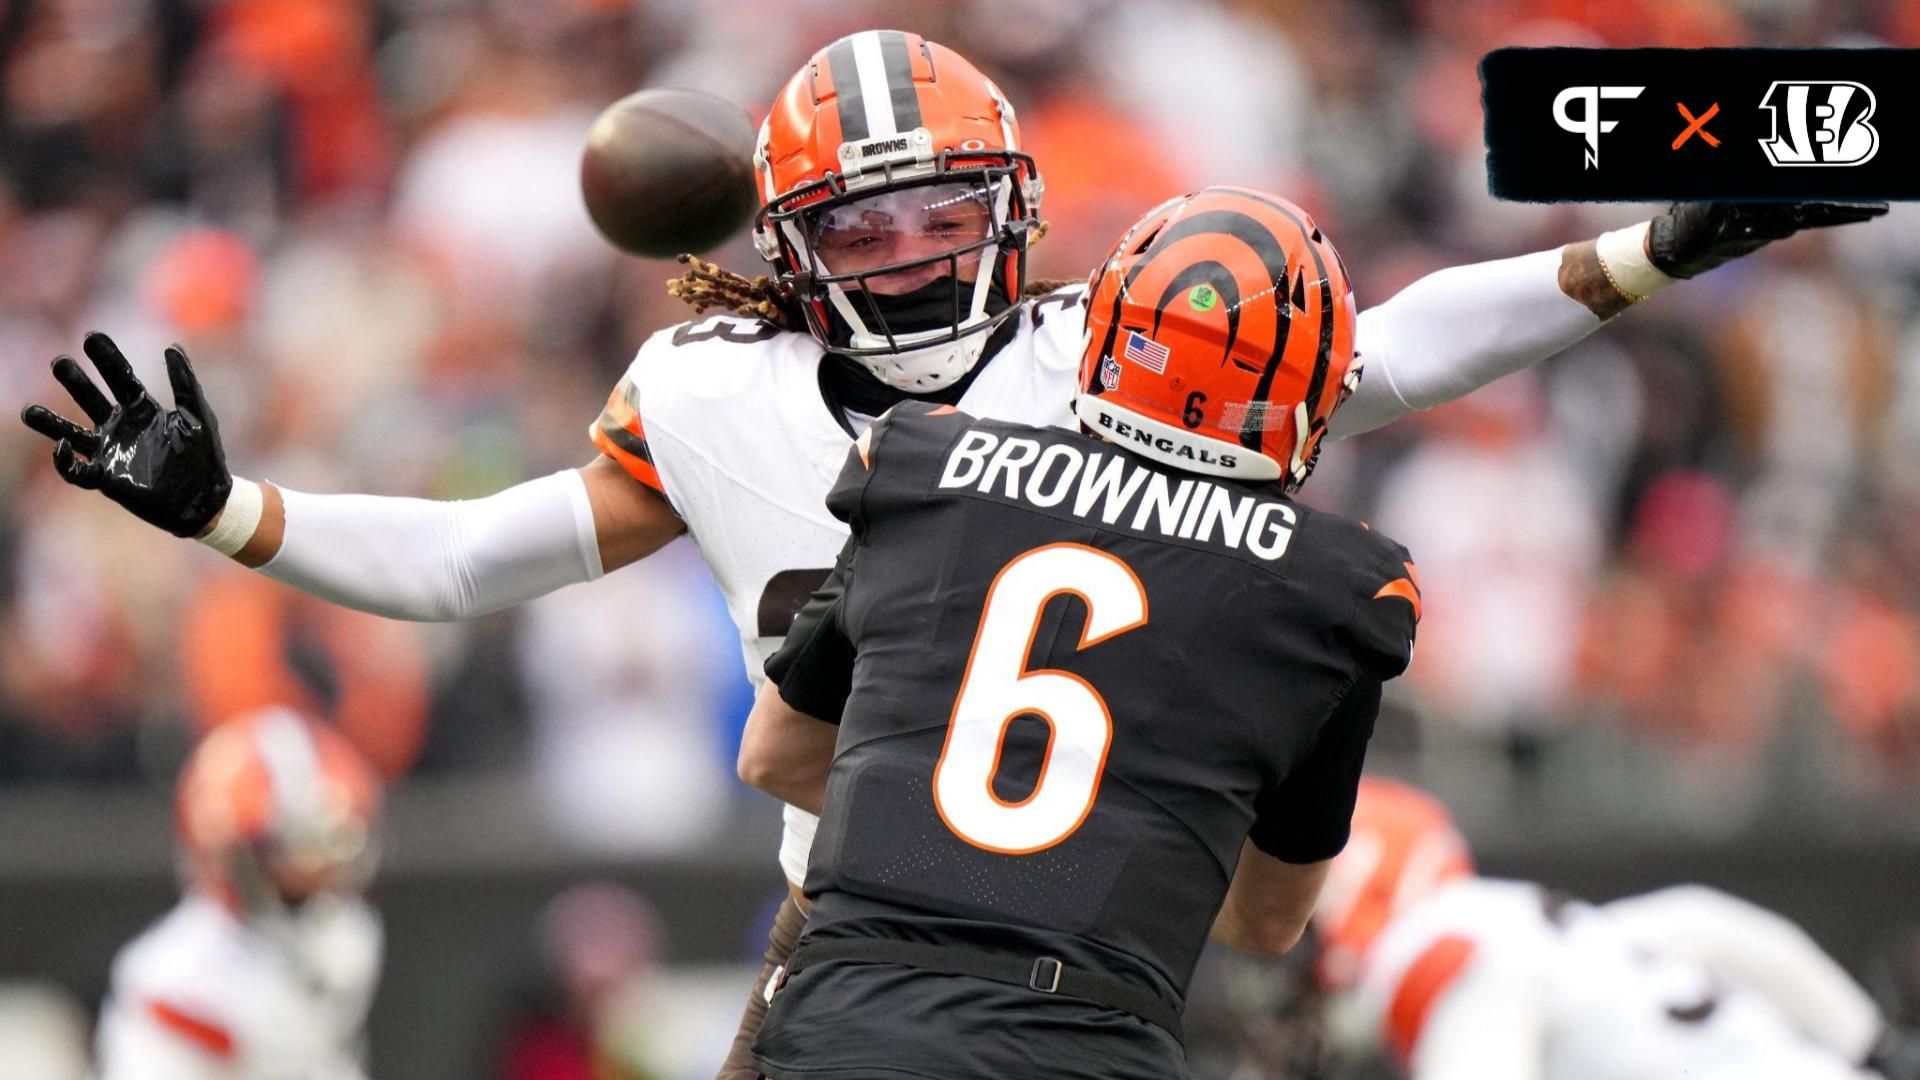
<point>814,666</point>
<point>1306,817</point>
<point>1375,594</point>
<point>1388,611</point>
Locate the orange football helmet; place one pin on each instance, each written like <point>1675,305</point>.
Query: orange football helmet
<point>898,205</point>
<point>1220,337</point>
<point>273,808</point>
<point>1404,846</point>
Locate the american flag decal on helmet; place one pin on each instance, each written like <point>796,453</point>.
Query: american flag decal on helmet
<point>1147,352</point>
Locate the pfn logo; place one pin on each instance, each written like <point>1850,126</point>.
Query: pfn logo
<point>1589,123</point>
<point>1826,124</point>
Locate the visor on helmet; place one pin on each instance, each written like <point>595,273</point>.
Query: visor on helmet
<point>905,267</point>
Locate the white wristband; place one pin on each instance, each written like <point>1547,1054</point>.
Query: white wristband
<point>238,519</point>
<point>1623,258</point>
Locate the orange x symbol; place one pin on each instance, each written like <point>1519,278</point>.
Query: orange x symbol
<point>1697,125</point>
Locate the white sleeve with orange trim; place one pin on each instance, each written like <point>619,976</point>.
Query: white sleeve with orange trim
<point>619,433</point>
<point>1457,330</point>
<point>1457,986</point>
<point>157,1043</point>
<point>1752,947</point>
<point>1487,1022</point>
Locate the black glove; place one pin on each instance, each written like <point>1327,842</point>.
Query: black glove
<point>1896,1055</point>
<point>1694,237</point>
<point>166,467</point>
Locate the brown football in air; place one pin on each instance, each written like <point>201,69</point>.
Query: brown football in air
<point>668,171</point>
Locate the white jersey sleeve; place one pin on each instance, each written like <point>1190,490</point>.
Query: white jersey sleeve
<point>1456,987</point>
<point>1750,946</point>
<point>1490,1023</point>
<point>1457,330</point>
<point>203,995</point>
<point>1502,980</point>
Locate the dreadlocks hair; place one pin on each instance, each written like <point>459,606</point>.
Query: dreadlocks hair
<point>709,285</point>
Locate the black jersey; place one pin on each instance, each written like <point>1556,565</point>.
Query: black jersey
<point>1071,682</point>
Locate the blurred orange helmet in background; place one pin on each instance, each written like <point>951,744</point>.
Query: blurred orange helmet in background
<point>1404,847</point>
<point>274,808</point>
<point>879,112</point>
<point>1220,337</point>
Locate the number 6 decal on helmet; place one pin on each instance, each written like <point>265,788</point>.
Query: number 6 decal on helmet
<point>996,690</point>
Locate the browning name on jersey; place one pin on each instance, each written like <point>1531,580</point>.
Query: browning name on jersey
<point>1106,484</point>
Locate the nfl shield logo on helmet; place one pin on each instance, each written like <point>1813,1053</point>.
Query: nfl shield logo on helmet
<point>1110,373</point>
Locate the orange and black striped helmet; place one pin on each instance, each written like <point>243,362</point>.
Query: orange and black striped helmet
<point>886,111</point>
<point>1220,337</point>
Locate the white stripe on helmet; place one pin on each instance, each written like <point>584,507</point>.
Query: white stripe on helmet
<point>875,95</point>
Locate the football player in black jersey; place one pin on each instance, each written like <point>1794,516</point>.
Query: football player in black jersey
<point>1097,694</point>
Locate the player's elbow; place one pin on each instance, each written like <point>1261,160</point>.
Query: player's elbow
<point>1274,939</point>
<point>758,766</point>
<point>1269,936</point>
<point>766,762</point>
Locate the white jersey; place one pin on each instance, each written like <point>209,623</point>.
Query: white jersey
<point>1500,980</point>
<point>205,995</point>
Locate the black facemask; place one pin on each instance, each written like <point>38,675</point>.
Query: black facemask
<point>929,307</point>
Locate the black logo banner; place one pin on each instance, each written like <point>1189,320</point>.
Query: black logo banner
<point>1612,125</point>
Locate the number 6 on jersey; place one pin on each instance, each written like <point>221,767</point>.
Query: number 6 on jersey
<point>996,690</point>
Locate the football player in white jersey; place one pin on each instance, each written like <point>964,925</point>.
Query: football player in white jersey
<point>1457,976</point>
<point>898,209</point>
<point>266,967</point>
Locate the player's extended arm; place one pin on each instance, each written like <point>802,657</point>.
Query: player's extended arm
<point>1458,329</point>
<point>786,753</point>
<point>403,558</point>
<point>1269,902</point>
<point>1752,947</point>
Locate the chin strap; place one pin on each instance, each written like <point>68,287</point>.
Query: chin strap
<point>847,386</point>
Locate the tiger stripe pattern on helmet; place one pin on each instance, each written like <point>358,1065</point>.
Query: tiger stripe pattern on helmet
<point>1254,309</point>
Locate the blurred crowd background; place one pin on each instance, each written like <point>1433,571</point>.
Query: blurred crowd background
<point>1671,578</point>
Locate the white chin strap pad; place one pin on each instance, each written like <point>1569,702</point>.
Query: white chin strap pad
<point>928,369</point>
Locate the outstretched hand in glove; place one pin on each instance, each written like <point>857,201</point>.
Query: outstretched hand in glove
<point>1692,238</point>
<point>165,466</point>
<point>1627,265</point>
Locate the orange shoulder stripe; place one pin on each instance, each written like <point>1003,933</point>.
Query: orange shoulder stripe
<point>1406,588</point>
<point>1420,989</point>
<point>636,466</point>
<point>205,1034</point>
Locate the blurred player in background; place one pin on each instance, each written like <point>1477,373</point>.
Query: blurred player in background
<point>898,210</point>
<point>1455,976</point>
<point>989,899</point>
<point>266,967</point>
